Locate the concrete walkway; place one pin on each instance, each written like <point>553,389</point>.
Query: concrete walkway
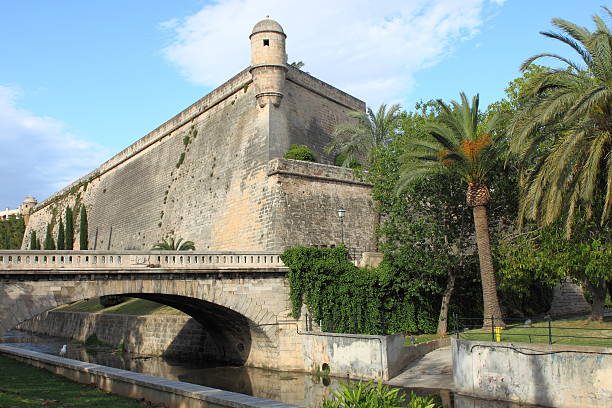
<point>433,370</point>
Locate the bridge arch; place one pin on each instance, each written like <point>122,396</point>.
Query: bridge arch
<point>243,328</point>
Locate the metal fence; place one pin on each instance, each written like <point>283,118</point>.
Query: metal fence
<point>536,331</point>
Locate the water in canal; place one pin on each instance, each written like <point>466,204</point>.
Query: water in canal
<point>294,388</point>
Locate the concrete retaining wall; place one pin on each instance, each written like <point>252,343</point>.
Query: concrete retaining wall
<point>548,375</point>
<point>362,355</point>
<point>139,386</point>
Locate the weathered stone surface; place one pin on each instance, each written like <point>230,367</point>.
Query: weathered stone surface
<point>568,300</point>
<point>204,174</point>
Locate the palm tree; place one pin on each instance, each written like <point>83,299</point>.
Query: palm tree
<point>563,130</point>
<point>458,142</point>
<point>171,245</point>
<point>359,138</point>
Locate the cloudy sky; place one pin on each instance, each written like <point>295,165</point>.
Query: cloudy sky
<point>80,81</point>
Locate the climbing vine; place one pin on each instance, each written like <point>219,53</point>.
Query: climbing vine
<point>346,299</point>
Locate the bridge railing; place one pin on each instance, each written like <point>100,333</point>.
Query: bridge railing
<point>12,259</point>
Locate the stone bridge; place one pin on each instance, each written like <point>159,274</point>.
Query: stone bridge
<point>240,298</point>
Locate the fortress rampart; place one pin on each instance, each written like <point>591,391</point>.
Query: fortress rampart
<point>214,173</point>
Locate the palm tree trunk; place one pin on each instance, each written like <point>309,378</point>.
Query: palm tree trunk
<point>487,273</point>
<point>446,297</point>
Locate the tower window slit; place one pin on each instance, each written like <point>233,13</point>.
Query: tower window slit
<point>266,43</point>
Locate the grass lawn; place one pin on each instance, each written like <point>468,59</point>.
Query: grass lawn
<point>132,306</point>
<point>538,333</point>
<point>22,385</point>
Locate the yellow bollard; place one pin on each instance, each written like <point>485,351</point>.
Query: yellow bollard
<point>498,333</point>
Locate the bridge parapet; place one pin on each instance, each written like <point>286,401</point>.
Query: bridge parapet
<point>28,259</point>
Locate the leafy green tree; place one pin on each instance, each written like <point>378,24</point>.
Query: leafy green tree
<point>34,242</point>
<point>300,152</point>
<point>61,236</point>
<point>69,229</point>
<point>49,243</point>
<point>550,257</point>
<point>457,142</point>
<point>563,130</point>
<point>170,244</point>
<point>11,232</point>
<point>359,138</point>
<point>83,229</point>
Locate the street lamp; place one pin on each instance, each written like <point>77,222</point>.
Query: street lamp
<point>341,212</point>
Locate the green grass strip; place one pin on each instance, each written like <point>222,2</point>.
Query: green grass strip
<point>22,385</point>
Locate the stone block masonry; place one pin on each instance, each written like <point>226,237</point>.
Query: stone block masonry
<point>179,337</point>
<point>205,176</point>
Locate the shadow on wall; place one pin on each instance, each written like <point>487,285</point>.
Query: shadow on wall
<point>213,333</point>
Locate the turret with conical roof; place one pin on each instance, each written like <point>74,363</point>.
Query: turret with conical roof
<point>268,61</point>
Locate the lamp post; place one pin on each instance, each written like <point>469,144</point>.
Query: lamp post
<point>341,212</point>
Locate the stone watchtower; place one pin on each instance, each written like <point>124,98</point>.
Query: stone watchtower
<point>268,62</point>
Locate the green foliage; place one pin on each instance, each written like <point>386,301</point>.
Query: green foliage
<point>561,130</point>
<point>112,300</point>
<point>69,243</point>
<point>172,244</point>
<point>34,242</point>
<point>347,299</point>
<point>61,236</point>
<point>180,160</point>
<point>370,395</point>
<point>83,229</point>
<point>352,163</point>
<point>49,243</point>
<point>300,152</point>
<point>364,133</point>
<point>547,257</point>
<point>11,232</point>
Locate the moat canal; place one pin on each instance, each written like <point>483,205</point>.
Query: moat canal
<point>300,389</point>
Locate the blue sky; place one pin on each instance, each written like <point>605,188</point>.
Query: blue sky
<point>81,80</point>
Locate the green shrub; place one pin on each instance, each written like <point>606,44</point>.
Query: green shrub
<point>300,152</point>
<point>368,395</point>
<point>112,300</point>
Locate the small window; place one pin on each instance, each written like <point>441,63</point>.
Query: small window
<point>266,43</point>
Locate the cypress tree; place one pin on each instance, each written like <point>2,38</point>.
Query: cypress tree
<point>83,241</point>
<point>34,244</point>
<point>61,236</point>
<point>69,229</point>
<point>49,244</point>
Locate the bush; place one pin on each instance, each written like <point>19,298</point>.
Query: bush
<point>300,152</point>
<point>112,300</point>
<point>366,395</point>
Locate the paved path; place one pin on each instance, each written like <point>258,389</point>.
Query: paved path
<point>433,370</point>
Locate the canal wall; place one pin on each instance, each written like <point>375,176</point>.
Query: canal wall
<point>549,375</point>
<point>183,338</point>
<point>362,355</point>
<point>129,384</point>
<point>178,337</point>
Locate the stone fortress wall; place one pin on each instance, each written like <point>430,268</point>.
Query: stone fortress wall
<point>214,175</point>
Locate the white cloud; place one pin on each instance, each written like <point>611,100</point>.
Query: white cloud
<point>368,48</point>
<point>39,156</point>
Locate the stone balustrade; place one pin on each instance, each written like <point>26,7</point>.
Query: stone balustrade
<point>39,260</point>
